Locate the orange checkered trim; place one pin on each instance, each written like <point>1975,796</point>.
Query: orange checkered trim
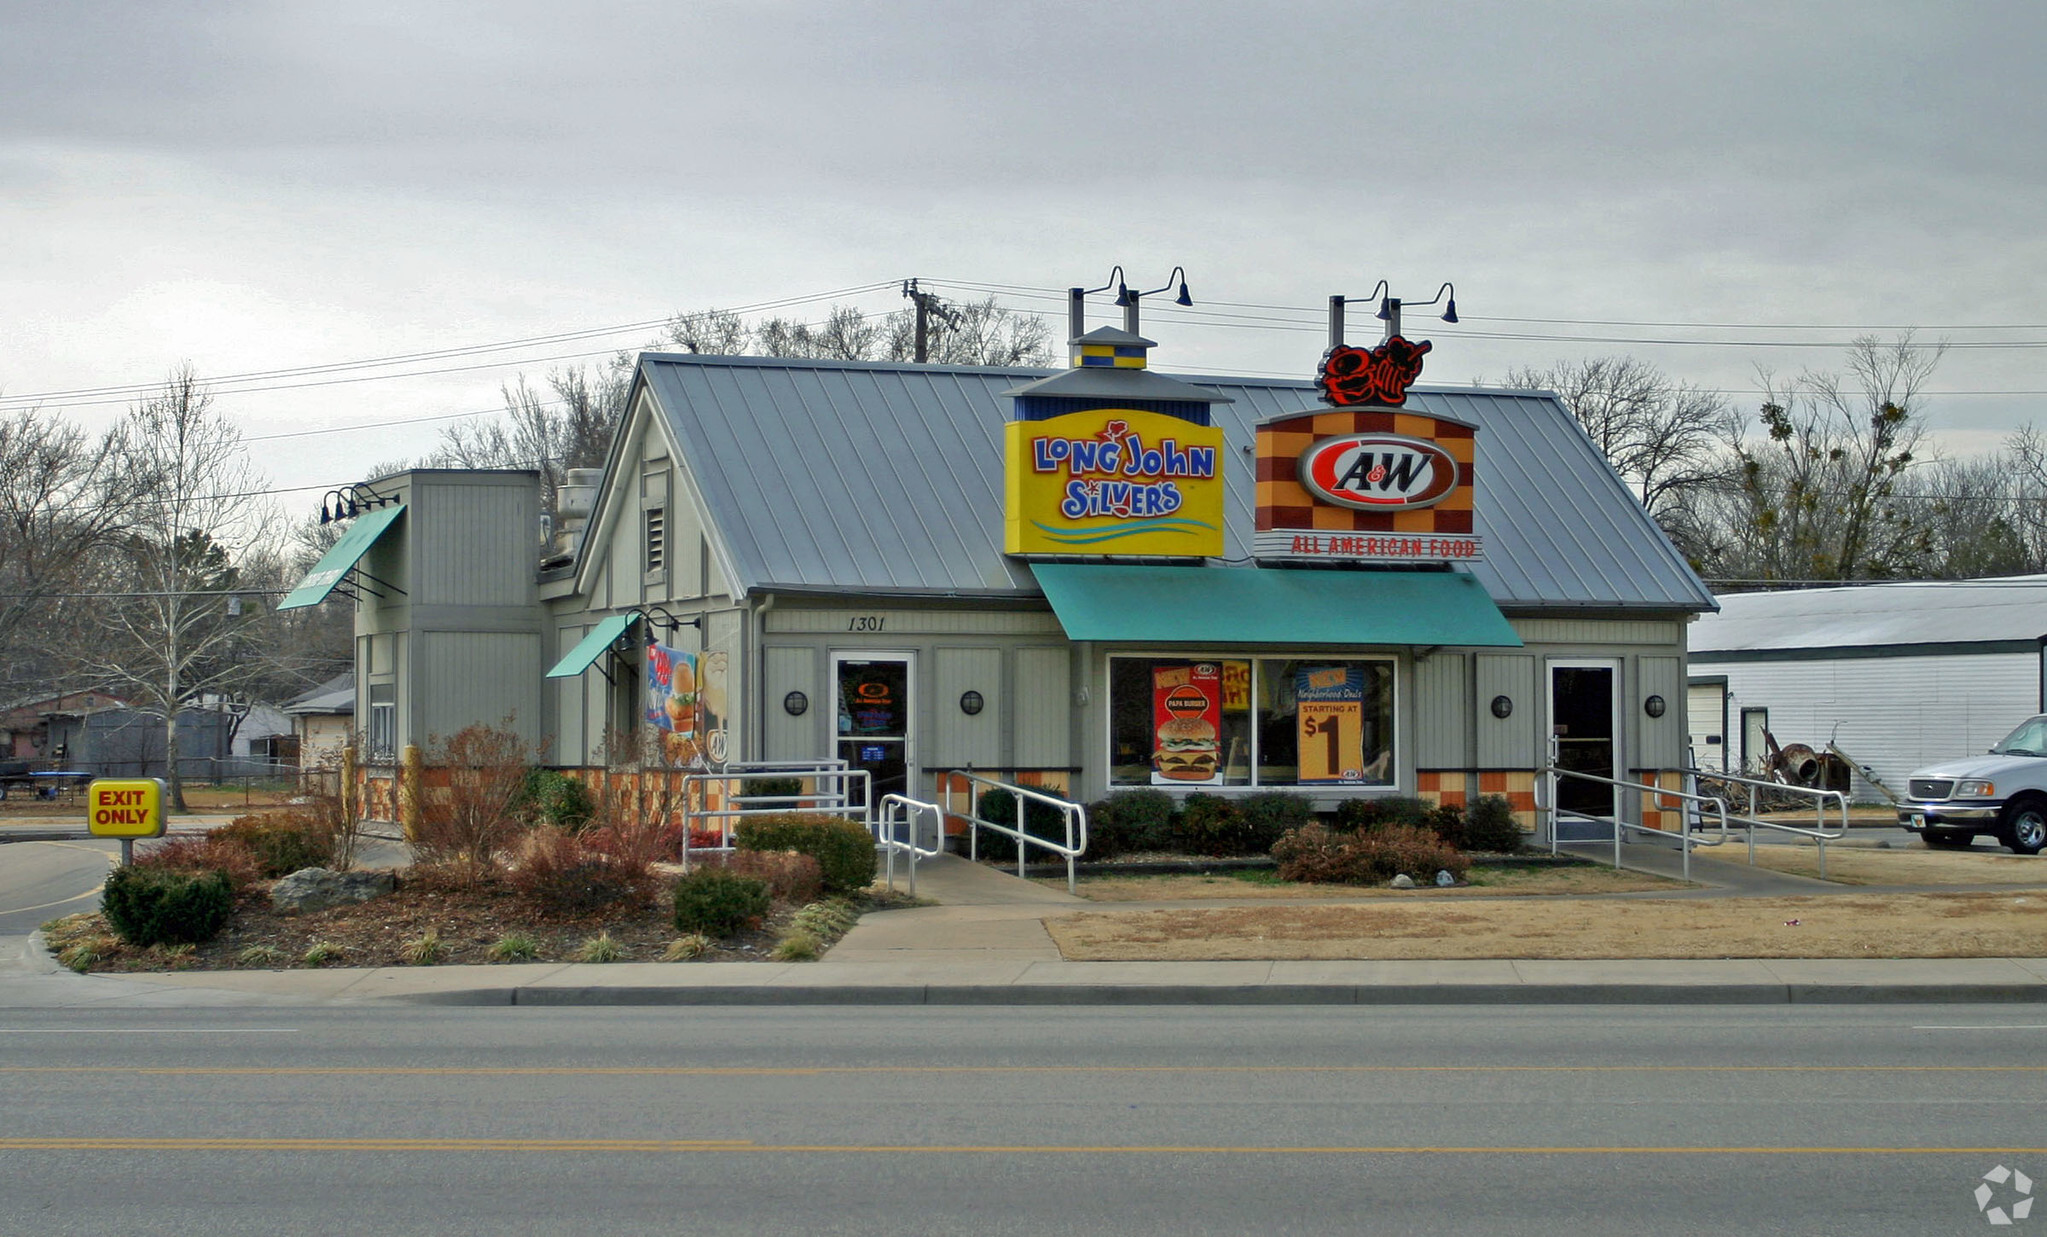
<point>1283,502</point>
<point>1659,812</point>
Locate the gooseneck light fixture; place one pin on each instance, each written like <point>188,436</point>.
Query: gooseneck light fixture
<point>1390,307</point>
<point>350,501</point>
<point>1128,300</point>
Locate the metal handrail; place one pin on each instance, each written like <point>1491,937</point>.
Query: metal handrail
<point>1685,838</point>
<point>896,811</point>
<point>1820,834</point>
<point>1073,816</point>
<point>835,796</point>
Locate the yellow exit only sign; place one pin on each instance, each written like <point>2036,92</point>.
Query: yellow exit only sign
<point>125,807</point>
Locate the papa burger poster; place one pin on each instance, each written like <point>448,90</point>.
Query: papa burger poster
<point>1186,716</point>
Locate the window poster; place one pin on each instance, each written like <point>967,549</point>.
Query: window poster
<point>1331,722</point>
<point>674,718</point>
<point>1186,712</point>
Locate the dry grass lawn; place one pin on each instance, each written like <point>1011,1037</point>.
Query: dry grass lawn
<point>1919,865</point>
<point>1912,925</point>
<point>1485,882</point>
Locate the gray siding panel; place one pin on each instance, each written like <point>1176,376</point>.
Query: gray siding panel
<point>471,677</point>
<point>1442,710</point>
<point>788,670</point>
<point>475,545</point>
<point>1044,716</point>
<point>957,739</point>
<point>1663,738</point>
<point>1508,743</point>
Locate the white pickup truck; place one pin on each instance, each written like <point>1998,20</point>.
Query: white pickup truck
<point>2002,795</point>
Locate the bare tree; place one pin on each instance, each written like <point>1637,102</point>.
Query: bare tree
<point>1819,496</point>
<point>1666,439</point>
<point>63,498</point>
<point>173,635</point>
<point>571,430</point>
<point>717,332</point>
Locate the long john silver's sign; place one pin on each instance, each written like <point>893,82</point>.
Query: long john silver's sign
<point>1378,472</point>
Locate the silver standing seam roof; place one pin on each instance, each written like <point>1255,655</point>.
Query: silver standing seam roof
<point>886,477</point>
<point>2009,610</point>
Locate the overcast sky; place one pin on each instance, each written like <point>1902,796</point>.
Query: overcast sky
<point>257,187</point>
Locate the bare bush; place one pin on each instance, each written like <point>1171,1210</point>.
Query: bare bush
<point>470,826</point>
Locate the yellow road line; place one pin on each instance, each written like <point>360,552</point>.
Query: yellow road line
<point>716,1071</point>
<point>661,1145</point>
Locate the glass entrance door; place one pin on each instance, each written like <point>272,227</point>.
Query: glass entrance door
<point>1582,718</point>
<point>874,723</point>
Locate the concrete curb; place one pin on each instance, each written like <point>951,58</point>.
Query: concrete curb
<point>1240,994</point>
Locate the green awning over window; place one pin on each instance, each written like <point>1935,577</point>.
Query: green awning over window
<point>338,561</point>
<point>592,646</point>
<point>1250,605</point>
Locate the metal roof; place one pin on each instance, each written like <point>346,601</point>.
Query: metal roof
<point>877,477</point>
<point>1947,612</point>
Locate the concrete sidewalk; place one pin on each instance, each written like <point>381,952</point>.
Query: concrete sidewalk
<point>985,944</point>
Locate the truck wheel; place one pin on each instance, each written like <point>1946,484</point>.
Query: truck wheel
<point>2025,827</point>
<point>1944,839</point>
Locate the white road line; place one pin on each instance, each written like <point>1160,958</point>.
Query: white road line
<point>2023,1026</point>
<point>149,1030</point>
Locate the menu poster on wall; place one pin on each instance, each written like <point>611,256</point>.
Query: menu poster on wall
<point>673,715</point>
<point>1332,723</point>
<point>1186,712</point>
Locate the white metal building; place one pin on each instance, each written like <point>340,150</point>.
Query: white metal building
<point>1899,675</point>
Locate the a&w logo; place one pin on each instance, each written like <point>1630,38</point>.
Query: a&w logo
<point>2004,1195</point>
<point>1377,472</point>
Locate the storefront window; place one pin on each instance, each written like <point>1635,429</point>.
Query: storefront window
<point>1235,722</point>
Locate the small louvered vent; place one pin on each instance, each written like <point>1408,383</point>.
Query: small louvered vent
<point>657,540</point>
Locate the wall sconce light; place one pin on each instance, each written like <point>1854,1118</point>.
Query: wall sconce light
<point>350,501</point>
<point>971,703</point>
<point>1503,708</point>
<point>1653,706</point>
<point>796,704</point>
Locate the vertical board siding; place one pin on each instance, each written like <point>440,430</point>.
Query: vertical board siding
<point>1599,631</point>
<point>1044,716</point>
<point>1894,714</point>
<point>570,695</point>
<point>784,737</point>
<point>1508,743</point>
<point>470,677</point>
<point>475,545</point>
<point>1442,710</point>
<point>958,740</point>
<point>1663,738</point>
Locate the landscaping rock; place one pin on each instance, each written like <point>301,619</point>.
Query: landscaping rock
<point>316,889</point>
<point>1403,881</point>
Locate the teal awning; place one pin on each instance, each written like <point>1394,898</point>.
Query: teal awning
<point>1267,605</point>
<point>592,646</point>
<point>338,561</point>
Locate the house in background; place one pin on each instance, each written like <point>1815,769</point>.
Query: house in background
<point>42,730</point>
<point>1898,675</point>
<point>322,722</point>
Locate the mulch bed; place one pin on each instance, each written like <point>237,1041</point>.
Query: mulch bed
<point>468,920</point>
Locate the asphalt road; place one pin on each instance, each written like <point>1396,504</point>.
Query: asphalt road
<point>1135,1121</point>
<point>41,881</point>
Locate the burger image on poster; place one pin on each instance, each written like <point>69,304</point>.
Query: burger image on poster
<point>682,741</point>
<point>1187,750</point>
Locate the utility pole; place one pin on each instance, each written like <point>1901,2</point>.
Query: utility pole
<point>927,304</point>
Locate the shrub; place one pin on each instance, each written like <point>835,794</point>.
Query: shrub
<point>1130,820</point>
<point>1209,825</point>
<point>1041,820</point>
<point>798,946</point>
<point>283,842</point>
<point>472,823</point>
<point>1267,816</point>
<point>1447,823</point>
<point>1354,815</point>
<point>424,949</point>
<point>684,948</point>
<point>548,797</point>
<point>1489,825</point>
<point>260,957</point>
<point>206,852</point>
<point>1319,854</point>
<point>844,849</point>
<point>773,787</point>
<point>792,876</point>
<point>719,903</point>
<point>84,955</point>
<point>514,947</point>
<point>560,874</point>
<point>154,906</point>
<point>600,948</point>
<point>320,953</point>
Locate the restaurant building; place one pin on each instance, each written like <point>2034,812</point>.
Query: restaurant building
<point>1090,579</point>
